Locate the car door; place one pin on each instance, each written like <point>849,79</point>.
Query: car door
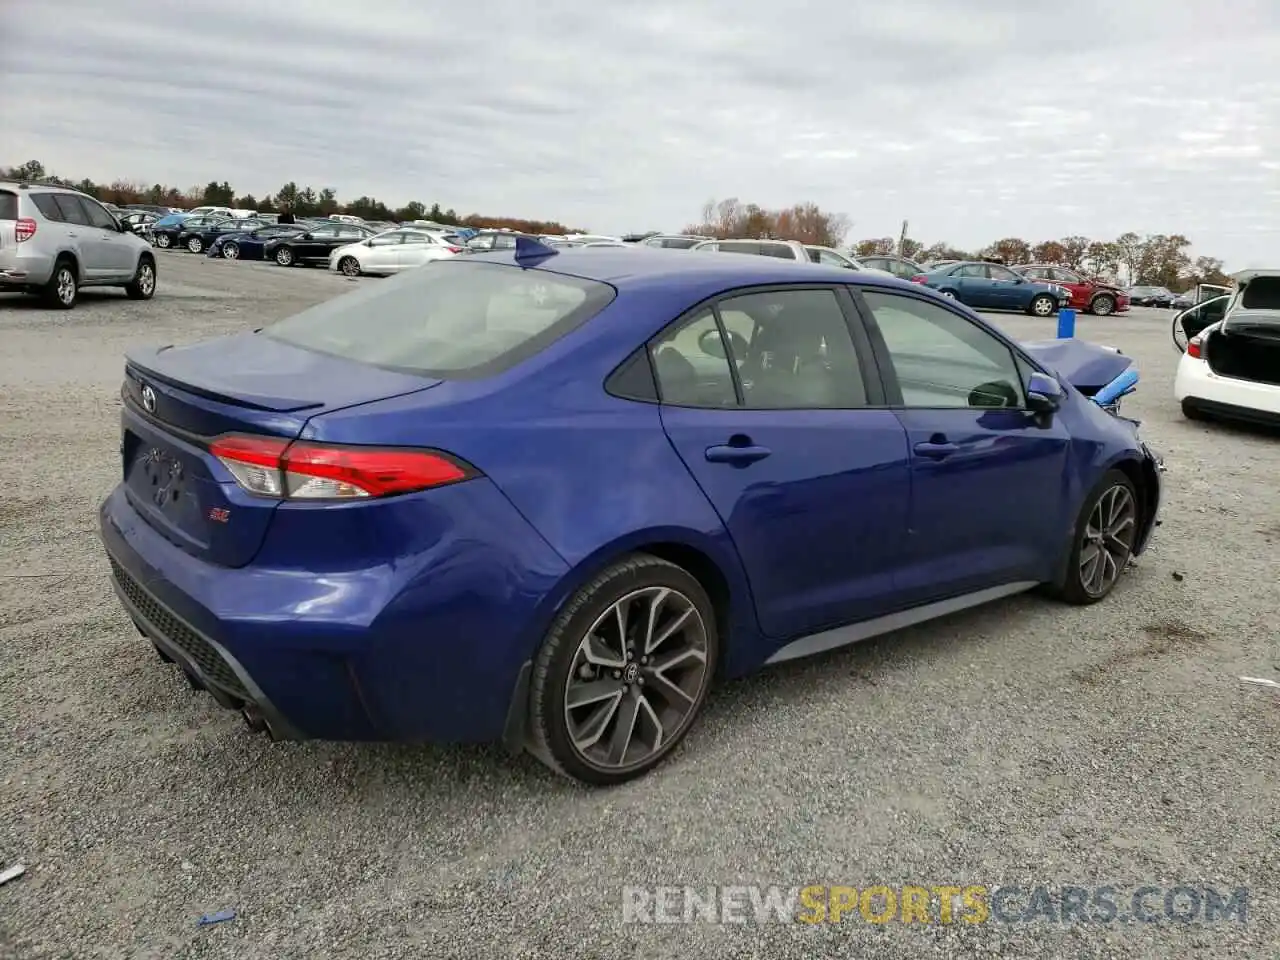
<point>1008,289</point>
<point>382,254</point>
<point>94,253</point>
<point>121,254</point>
<point>973,286</point>
<point>987,475</point>
<point>1081,289</point>
<point>418,249</point>
<point>315,244</point>
<point>785,431</point>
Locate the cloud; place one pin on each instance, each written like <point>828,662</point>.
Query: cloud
<point>974,121</point>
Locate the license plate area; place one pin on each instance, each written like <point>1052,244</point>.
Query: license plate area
<point>167,486</point>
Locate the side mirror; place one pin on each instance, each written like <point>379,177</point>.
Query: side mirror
<point>1044,393</point>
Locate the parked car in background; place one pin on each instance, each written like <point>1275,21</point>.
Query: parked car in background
<point>55,240</point>
<point>208,211</point>
<point>166,231</point>
<point>189,235</point>
<point>380,226</point>
<point>673,241</point>
<point>990,286</point>
<point>249,246</point>
<point>938,264</point>
<point>1091,296</point>
<point>314,244</point>
<point>784,250</point>
<point>1181,301</point>
<point>585,238</point>
<point>487,240</point>
<point>1148,296</point>
<point>443,456</point>
<point>391,252</point>
<point>158,209</point>
<point>199,239</point>
<point>1231,366</point>
<point>138,221</point>
<point>900,267</point>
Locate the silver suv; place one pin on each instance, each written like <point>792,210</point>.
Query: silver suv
<point>54,240</point>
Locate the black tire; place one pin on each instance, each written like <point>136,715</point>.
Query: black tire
<point>1191,412</point>
<point>231,251</point>
<point>284,257</point>
<point>1042,305</point>
<point>164,241</point>
<point>143,284</point>
<point>949,294</point>
<point>1075,589</point>
<point>549,731</point>
<point>194,245</point>
<point>1103,305</point>
<point>63,289</point>
<point>349,267</point>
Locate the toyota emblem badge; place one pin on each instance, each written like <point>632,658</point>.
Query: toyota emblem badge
<point>148,399</point>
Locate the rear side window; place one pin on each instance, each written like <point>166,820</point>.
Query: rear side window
<point>48,208</point>
<point>450,320</point>
<point>1261,293</point>
<point>739,246</point>
<point>73,210</point>
<point>8,205</point>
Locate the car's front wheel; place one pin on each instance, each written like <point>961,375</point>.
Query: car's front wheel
<point>164,241</point>
<point>1042,305</point>
<point>1105,534</point>
<point>143,284</point>
<point>623,672</point>
<point>349,266</point>
<point>1103,306</point>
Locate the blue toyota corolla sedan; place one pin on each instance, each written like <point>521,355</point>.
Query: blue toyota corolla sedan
<point>548,498</point>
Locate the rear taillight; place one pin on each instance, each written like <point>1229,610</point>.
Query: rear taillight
<point>24,229</point>
<point>300,470</point>
<point>1195,348</point>
<point>918,278</point>
<point>454,249</point>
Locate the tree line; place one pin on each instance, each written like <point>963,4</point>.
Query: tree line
<point>304,201</point>
<point>1153,259</point>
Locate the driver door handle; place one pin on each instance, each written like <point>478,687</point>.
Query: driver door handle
<point>935,450</point>
<point>739,456</point>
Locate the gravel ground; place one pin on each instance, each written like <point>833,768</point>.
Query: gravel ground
<point>1023,743</point>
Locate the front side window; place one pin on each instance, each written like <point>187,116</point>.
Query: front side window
<point>942,359</point>
<point>465,320</point>
<point>98,215</point>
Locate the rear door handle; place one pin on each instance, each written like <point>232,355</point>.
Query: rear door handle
<point>935,451</point>
<point>739,456</point>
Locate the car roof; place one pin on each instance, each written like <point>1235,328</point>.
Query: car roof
<point>629,268</point>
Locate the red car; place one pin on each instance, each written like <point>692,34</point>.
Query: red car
<point>1091,296</point>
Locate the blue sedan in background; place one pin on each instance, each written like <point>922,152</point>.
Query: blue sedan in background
<point>990,286</point>
<point>249,245</point>
<point>548,497</point>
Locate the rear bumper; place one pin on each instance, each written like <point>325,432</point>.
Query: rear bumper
<point>1197,386</point>
<point>19,270</point>
<point>427,646</point>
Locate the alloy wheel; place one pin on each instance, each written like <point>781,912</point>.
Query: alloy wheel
<point>194,244</point>
<point>1042,307</point>
<point>231,251</point>
<point>66,286</point>
<point>146,279</point>
<point>350,267</point>
<point>1102,306</point>
<point>636,678</point>
<point>163,241</point>
<point>1108,540</point>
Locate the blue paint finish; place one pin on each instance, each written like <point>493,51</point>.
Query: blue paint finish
<point>409,618</point>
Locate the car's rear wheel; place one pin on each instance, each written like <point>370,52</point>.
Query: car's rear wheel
<point>231,251</point>
<point>1103,305</point>
<point>1191,412</point>
<point>195,244</point>
<point>1105,534</point>
<point>164,241</point>
<point>63,288</point>
<point>1042,305</point>
<point>623,672</point>
<point>949,294</point>
<point>349,266</point>
<point>284,257</point>
<point>143,285</point>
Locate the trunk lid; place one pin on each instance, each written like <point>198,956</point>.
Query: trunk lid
<point>176,399</point>
<point>1086,366</point>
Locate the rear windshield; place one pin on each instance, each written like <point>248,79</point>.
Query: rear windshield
<point>450,319</point>
<point>8,205</point>
<point>1261,293</point>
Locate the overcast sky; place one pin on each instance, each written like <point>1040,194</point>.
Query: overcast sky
<point>974,119</point>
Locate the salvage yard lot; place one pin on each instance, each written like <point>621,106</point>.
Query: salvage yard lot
<point>1027,742</point>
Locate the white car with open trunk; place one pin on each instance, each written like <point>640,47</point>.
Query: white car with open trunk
<point>1230,368</point>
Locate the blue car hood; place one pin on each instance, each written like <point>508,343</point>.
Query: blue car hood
<point>1086,366</point>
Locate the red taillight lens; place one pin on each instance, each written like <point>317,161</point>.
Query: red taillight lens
<point>454,249</point>
<point>274,467</point>
<point>1195,348</point>
<point>24,229</point>
<point>918,278</point>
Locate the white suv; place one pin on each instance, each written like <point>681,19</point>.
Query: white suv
<point>787,250</point>
<point>55,240</point>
